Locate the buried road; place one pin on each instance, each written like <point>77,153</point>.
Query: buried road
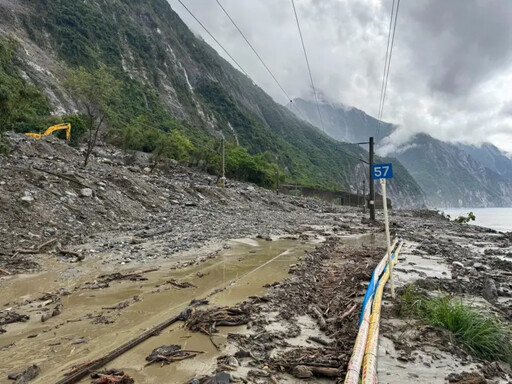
<point>99,315</point>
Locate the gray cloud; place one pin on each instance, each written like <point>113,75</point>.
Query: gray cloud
<point>458,43</point>
<point>451,72</point>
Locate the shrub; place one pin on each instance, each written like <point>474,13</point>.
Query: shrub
<point>483,335</point>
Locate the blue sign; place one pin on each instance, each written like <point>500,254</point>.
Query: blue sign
<point>382,171</point>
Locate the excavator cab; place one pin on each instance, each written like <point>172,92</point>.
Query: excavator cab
<point>53,128</point>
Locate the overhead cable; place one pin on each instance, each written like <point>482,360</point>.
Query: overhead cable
<point>387,63</point>
<point>308,66</point>
<point>213,37</point>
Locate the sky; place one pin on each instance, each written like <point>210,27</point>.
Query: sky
<point>451,68</point>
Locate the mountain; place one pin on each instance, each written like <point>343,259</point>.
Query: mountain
<point>491,157</point>
<point>339,121</point>
<point>170,79</point>
<point>451,175</point>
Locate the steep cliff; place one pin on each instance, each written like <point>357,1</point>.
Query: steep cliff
<point>170,75</point>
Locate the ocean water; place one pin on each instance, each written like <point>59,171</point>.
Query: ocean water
<point>499,219</point>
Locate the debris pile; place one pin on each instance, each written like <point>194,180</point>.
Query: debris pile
<point>207,320</point>
<point>29,374</point>
<point>111,376</point>
<point>167,354</point>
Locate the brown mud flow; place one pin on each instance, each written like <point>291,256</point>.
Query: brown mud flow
<point>95,321</point>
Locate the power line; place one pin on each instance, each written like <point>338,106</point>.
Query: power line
<point>213,37</point>
<point>254,50</point>
<point>307,64</point>
<point>387,63</point>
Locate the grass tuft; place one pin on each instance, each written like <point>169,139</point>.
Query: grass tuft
<point>482,334</point>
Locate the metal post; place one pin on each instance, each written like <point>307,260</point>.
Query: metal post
<point>223,179</point>
<point>372,185</point>
<point>388,240</point>
<point>277,181</point>
<point>364,195</point>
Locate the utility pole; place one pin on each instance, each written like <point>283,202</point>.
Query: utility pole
<point>277,181</point>
<point>371,201</point>
<point>364,195</point>
<point>223,179</point>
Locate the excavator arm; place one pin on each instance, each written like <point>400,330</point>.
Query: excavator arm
<point>53,128</point>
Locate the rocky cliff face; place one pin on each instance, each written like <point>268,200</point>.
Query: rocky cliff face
<point>341,122</point>
<point>167,71</point>
<point>451,175</point>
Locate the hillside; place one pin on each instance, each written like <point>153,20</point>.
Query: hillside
<point>491,157</point>
<point>170,79</point>
<point>451,175</point>
<point>341,122</point>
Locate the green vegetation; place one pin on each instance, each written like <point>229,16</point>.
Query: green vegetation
<point>483,335</point>
<point>23,107</point>
<point>93,92</point>
<point>171,145</point>
<point>151,54</point>
<point>465,219</point>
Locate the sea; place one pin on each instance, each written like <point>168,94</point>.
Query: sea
<point>499,219</point>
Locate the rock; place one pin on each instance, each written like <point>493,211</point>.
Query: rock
<point>86,192</point>
<point>147,170</point>
<point>302,372</point>
<point>27,375</point>
<point>478,266</point>
<point>458,264</point>
<point>489,291</point>
<point>221,378</point>
<point>27,199</point>
<point>233,362</point>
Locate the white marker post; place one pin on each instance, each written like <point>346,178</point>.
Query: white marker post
<point>382,172</point>
<point>388,239</point>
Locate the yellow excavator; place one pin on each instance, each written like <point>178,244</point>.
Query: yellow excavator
<point>53,128</point>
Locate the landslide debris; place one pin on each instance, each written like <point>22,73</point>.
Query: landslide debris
<point>131,215</point>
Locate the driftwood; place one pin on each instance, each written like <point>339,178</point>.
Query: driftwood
<point>126,276</point>
<point>177,284</point>
<point>304,371</point>
<point>4,271</point>
<point>79,256</point>
<point>348,312</point>
<point>112,376</point>
<point>78,374</point>
<point>319,340</point>
<point>167,354</point>
<point>38,249</point>
<point>206,321</point>
<point>319,317</point>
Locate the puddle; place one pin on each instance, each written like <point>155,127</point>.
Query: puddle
<point>423,370</point>
<point>63,341</point>
<point>412,267</point>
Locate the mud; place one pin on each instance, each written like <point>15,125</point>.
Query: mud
<point>93,321</point>
<point>102,269</point>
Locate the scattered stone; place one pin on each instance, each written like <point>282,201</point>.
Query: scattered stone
<point>489,291</point>
<point>86,192</point>
<point>27,375</point>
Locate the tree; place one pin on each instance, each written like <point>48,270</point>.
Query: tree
<point>93,92</point>
<point>171,145</point>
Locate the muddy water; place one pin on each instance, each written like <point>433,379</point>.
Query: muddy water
<point>71,338</point>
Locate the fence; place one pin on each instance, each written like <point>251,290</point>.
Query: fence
<point>340,198</point>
